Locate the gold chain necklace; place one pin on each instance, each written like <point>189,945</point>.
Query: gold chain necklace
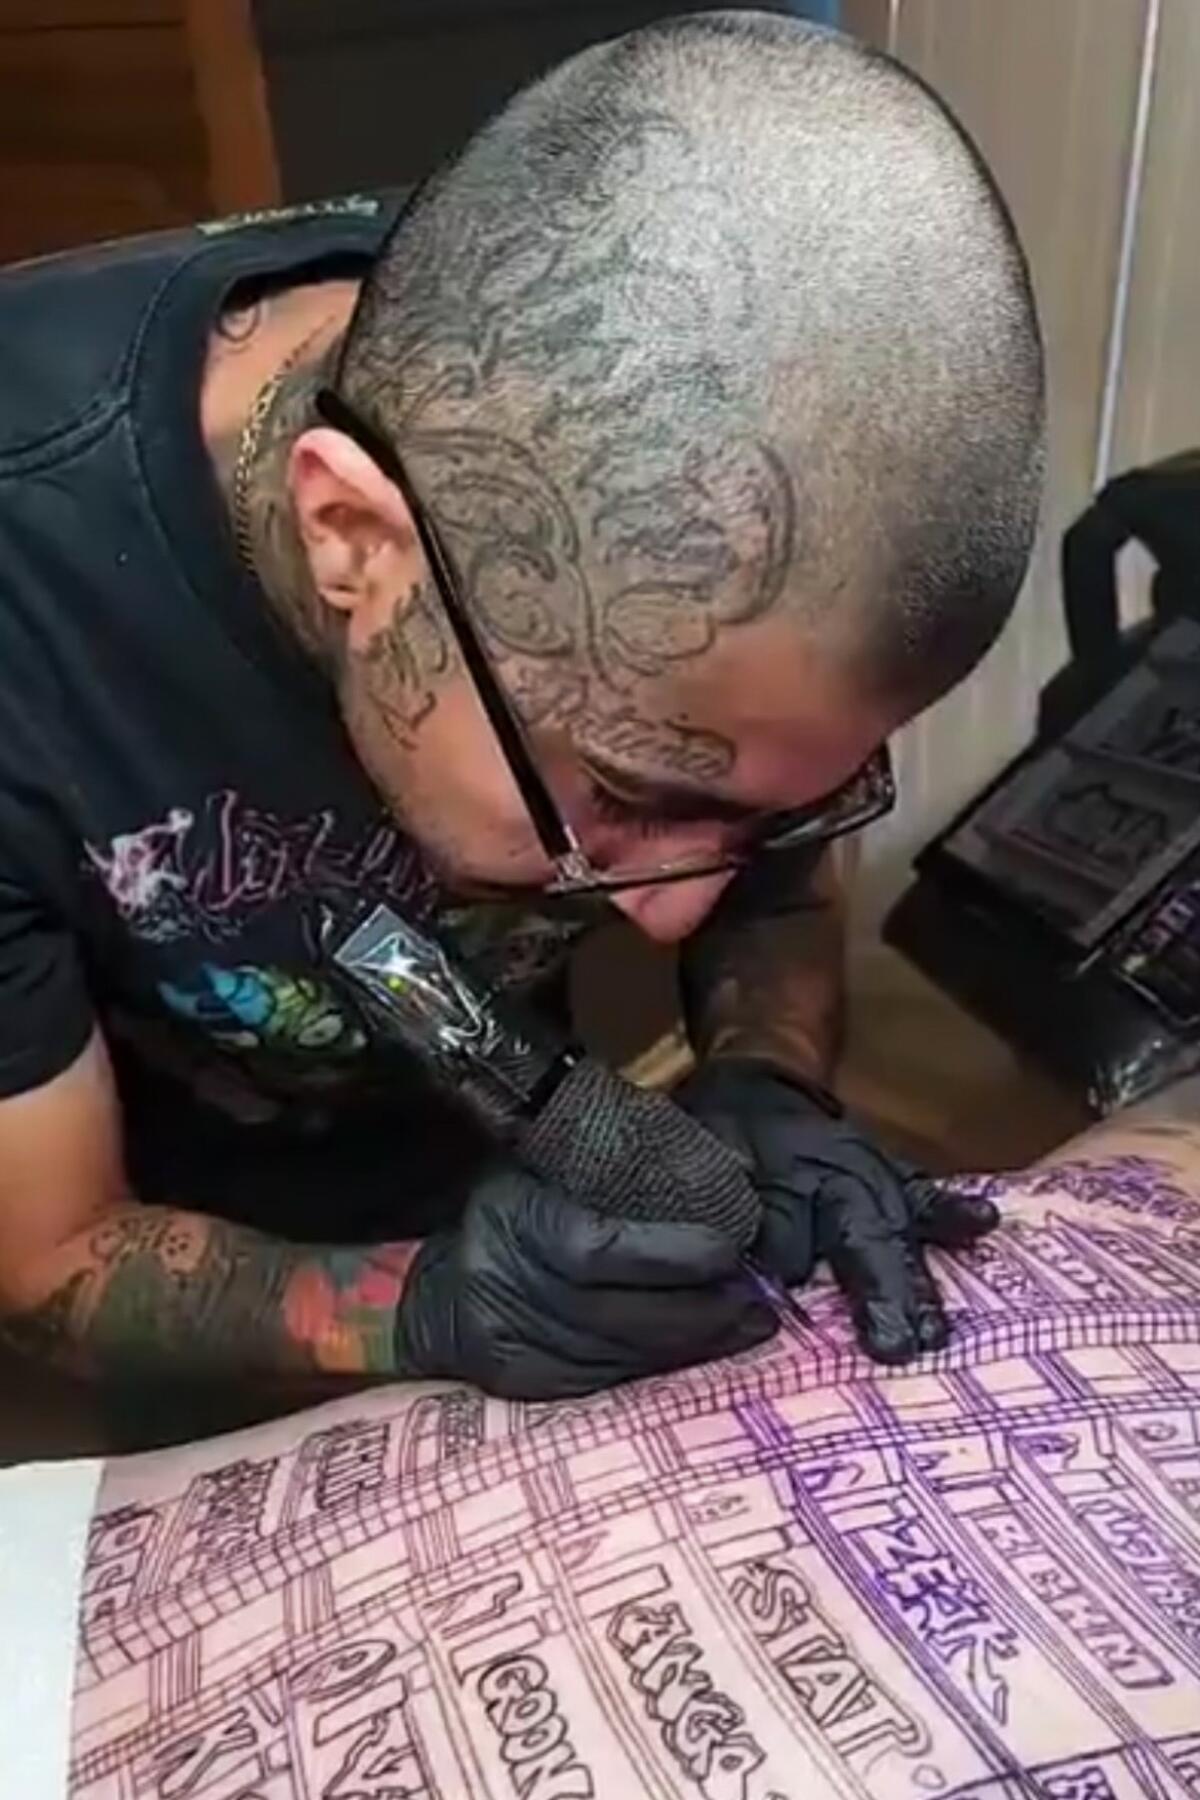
<point>249,444</point>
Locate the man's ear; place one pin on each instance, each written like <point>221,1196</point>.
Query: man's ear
<point>363,552</point>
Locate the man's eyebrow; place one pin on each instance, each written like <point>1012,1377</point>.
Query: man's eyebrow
<point>665,797</point>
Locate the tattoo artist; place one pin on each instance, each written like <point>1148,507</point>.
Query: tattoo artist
<point>711,366</point>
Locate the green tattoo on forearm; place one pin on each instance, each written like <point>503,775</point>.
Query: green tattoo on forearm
<point>150,1290</point>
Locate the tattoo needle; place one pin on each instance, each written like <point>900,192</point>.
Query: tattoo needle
<point>779,1297</point>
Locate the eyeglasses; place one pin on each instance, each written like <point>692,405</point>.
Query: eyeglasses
<point>867,796</point>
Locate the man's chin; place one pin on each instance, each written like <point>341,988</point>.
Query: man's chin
<point>471,887</point>
<point>464,889</point>
<point>467,886</point>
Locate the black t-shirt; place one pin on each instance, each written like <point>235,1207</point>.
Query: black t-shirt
<point>176,791</point>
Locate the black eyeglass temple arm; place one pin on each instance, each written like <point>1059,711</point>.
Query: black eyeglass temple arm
<point>553,836</point>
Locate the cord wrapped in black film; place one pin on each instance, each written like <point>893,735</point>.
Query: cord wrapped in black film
<point>620,1149</point>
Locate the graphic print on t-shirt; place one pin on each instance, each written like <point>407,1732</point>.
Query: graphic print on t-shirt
<point>204,874</point>
<point>245,1007</point>
<point>225,896</point>
<point>219,900</point>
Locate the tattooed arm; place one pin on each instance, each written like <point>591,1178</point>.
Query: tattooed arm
<point>99,1284</point>
<point>763,977</point>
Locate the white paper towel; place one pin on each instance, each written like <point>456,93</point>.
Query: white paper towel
<point>45,1511</point>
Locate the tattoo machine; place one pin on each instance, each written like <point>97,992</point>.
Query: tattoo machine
<point>624,1151</point>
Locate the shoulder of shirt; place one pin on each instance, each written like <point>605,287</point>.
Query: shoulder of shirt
<point>71,324</point>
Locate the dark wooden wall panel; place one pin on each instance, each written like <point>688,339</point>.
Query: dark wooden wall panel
<point>373,93</point>
<point>124,116</point>
<point>53,15</point>
<point>231,98</point>
<point>98,135</point>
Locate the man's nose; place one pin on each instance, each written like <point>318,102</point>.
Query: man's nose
<point>674,910</point>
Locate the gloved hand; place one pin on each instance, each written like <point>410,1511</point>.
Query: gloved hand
<point>827,1191</point>
<point>536,1297</point>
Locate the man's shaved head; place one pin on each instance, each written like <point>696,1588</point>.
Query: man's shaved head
<point>722,319</point>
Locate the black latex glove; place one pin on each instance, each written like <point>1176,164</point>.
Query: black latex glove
<point>535,1297</point>
<point>828,1191</point>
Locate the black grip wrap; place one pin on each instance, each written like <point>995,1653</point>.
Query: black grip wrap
<point>636,1155</point>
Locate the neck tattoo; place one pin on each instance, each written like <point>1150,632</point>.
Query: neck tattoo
<point>251,444</point>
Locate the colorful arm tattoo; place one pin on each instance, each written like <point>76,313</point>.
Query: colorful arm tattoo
<point>146,1290</point>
